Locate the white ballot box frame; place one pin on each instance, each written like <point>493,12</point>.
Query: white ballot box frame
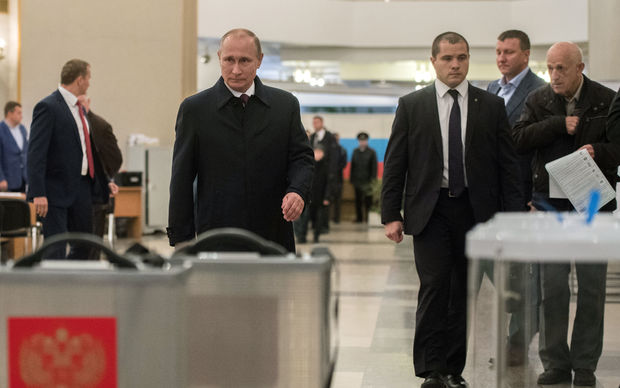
<point>533,237</point>
<point>146,305</point>
<point>260,321</point>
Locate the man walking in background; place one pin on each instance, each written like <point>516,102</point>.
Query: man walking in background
<point>61,160</point>
<point>363,174</point>
<point>13,149</point>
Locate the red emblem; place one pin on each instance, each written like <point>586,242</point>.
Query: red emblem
<point>63,352</point>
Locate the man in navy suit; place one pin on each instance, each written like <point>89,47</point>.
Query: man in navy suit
<point>13,149</point>
<point>244,145</point>
<point>61,159</point>
<point>513,54</point>
<point>451,154</point>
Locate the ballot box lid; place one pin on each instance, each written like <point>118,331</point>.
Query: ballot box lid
<point>546,236</point>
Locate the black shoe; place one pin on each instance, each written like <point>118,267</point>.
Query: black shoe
<point>554,376</point>
<point>434,380</point>
<point>455,381</point>
<point>584,378</point>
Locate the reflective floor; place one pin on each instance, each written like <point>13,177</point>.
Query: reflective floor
<point>378,294</point>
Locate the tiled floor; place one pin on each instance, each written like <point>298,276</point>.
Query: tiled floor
<point>378,292</point>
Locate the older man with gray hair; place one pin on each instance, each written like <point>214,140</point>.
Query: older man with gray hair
<point>567,115</point>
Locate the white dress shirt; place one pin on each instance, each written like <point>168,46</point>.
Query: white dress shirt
<point>249,92</point>
<point>71,101</point>
<point>444,105</point>
<point>17,135</point>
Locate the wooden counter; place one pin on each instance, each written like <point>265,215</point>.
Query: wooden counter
<point>128,203</point>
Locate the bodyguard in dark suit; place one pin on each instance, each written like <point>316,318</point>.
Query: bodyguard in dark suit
<point>61,159</point>
<point>245,145</point>
<point>13,149</point>
<point>451,153</point>
<point>568,115</point>
<point>513,54</point>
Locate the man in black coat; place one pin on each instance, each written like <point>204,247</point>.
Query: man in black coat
<point>568,115</point>
<point>245,145</point>
<point>451,153</point>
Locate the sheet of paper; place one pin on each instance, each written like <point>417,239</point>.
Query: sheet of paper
<point>577,175</point>
<point>555,191</point>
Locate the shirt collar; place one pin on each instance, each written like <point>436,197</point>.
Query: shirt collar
<point>577,93</point>
<point>442,88</point>
<point>249,92</point>
<point>9,125</point>
<point>69,97</point>
<point>516,80</point>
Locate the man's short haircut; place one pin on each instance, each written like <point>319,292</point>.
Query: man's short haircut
<point>244,31</point>
<point>318,117</point>
<point>10,107</point>
<point>524,40</point>
<point>451,37</point>
<point>72,70</point>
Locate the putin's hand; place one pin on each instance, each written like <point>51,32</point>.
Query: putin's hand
<point>40,206</point>
<point>394,231</point>
<point>292,206</point>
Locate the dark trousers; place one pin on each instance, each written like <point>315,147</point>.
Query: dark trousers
<point>363,202</point>
<point>75,218</point>
<point>440,343</point>
<point>100,212</point>
<point>336,203</point>
<point>587,337</point>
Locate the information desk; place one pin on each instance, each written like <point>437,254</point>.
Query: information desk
<point>128,204</point>
<point>505,254</point>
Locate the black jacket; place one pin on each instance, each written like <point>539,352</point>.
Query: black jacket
<point>542,129</point>
<point>245,160</point>
<point>414,159</point>
<point>363,168</point>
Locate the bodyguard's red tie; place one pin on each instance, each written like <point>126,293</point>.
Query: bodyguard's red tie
<point>89,151</point>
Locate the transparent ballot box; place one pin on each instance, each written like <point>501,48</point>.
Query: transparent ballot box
<point>530,276</point>
<point>92,324</point>
<point>260,321</point>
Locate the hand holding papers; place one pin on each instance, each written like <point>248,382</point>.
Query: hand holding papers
<point>575,176</point>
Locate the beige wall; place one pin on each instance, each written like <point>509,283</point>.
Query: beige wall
<point>604,40</point>
<point>142,55</point>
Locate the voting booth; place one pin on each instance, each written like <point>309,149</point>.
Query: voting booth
<point>91,324</point>
<point>505,255</point>
<point>259,318</point>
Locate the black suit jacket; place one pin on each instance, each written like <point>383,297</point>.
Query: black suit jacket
<point>413,161</point>
<point>55,153</point>
<point>245,160</point>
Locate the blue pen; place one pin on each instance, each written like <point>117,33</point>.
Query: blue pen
<point>595,198</point>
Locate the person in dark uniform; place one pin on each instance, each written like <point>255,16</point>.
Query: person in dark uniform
<point>363,174</point>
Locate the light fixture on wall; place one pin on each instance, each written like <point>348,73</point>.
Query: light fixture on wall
<point>2,47</point>
<point>205,58</point>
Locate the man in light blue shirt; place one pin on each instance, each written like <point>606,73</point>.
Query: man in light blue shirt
<point>513,54</point>
<point>13,149</point>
